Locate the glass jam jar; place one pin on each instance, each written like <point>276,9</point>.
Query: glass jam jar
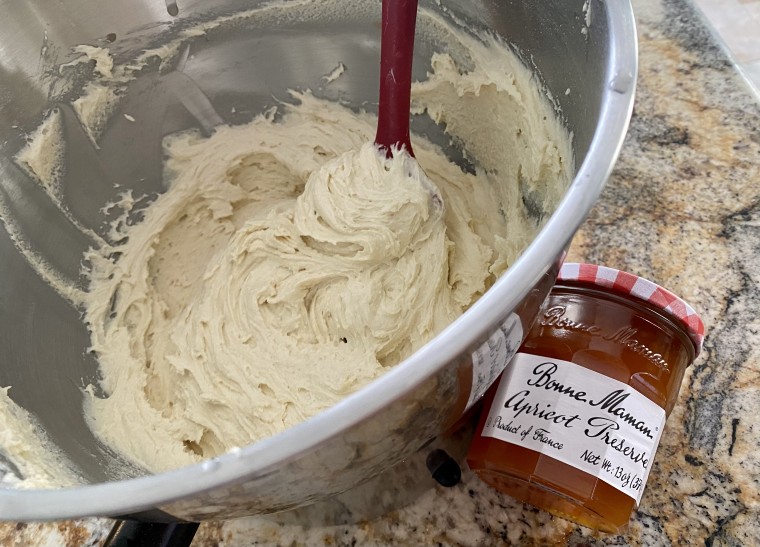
<point>574,421</point>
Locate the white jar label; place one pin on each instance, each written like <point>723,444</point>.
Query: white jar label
<point>490,359</point>
<point>580,417</point>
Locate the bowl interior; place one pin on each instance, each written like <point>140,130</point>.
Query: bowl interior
<point>240,66</point>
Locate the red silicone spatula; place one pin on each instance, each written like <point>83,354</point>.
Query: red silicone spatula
<point>396,49</point>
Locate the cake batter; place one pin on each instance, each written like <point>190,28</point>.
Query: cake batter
<point>289,263</point>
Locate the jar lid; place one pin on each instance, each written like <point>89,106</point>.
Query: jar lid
<point>627,284</point>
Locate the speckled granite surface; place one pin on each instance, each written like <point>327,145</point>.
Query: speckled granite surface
<point>682,208</point>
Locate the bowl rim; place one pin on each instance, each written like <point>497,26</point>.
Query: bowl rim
<point>477,323</point>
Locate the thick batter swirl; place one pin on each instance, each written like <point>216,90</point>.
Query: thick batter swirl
<point>289,264</point>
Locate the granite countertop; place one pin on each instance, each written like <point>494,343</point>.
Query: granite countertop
<point>681,208</point>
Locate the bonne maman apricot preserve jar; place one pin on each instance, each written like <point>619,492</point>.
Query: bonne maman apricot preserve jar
<point>574,421</point>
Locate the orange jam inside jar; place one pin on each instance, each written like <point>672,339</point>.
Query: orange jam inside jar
<point>574,421</point>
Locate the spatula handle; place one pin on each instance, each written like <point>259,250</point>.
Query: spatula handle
<point>396,53</point>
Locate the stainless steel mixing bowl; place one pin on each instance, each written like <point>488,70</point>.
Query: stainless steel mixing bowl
<point>43,342</point>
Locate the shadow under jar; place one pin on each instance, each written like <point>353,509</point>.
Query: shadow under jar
<point>574,422</point>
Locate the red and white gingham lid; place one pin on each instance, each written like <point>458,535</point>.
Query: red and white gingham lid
<point>628,284</point>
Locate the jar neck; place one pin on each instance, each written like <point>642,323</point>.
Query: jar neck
<point>640,306</point>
